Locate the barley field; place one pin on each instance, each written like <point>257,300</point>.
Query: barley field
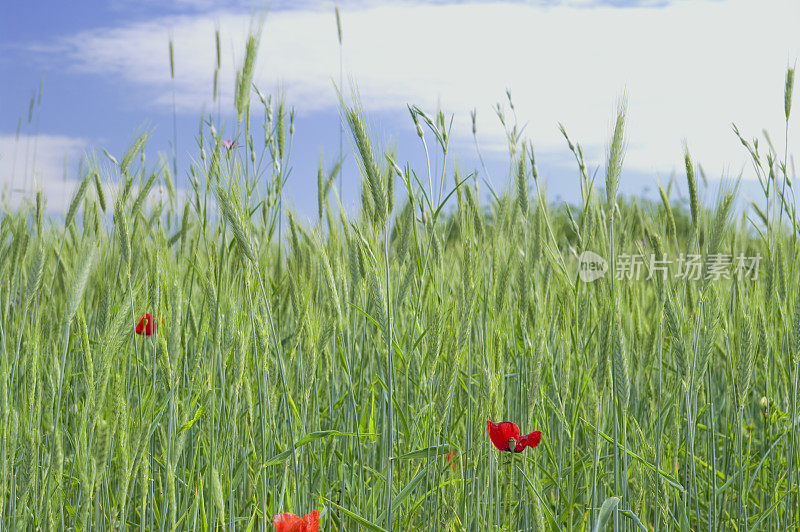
<point>209,359</point>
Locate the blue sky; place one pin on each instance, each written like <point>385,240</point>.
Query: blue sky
<point>688,68</point>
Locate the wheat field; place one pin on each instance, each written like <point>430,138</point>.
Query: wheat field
<point>204,358</point>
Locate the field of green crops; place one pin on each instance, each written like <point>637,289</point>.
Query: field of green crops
<point>350,364</point>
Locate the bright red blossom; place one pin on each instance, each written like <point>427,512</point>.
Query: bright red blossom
<point>501,434</point>
<point>291,523</point>
<point>452,459</point>
<point>145,325</point>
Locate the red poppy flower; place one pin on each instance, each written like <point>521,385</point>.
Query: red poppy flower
<point>291,523</point>
<point>504,432</point>
<point>145,325</point>
<point>453,459</point>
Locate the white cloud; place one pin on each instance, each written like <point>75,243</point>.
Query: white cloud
<point>51,163</point>
<point>39,162</point>
<point>689,68</point>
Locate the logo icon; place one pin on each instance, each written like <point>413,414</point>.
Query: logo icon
<point>591,266</point>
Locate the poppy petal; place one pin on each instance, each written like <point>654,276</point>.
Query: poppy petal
<point>309,522</point>
<point>529,440</point>
<point>142,325</point>
<point>288,522</point>
<point>145,325</point>
<point>285,522</point>
<point>501,432</point>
